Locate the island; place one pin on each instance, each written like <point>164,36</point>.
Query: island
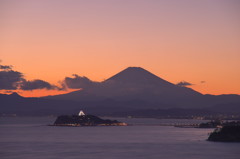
<point>85,120</point>
<point>227,133</point>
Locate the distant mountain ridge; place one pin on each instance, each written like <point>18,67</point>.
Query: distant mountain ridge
<point>138,84</point>
<point>15,104</point>
<point>133,83</point>
<point>132,90</point>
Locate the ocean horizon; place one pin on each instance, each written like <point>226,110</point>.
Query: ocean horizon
<point>30,137</point>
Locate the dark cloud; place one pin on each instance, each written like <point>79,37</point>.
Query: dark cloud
<point>62,87</point>
<point>10,79</point>
<point>5,67</point>
<point>203,82</point>
<point>13,80</point>
<point>36,84</point>
<point>78,82</point>
<point>184,84</point>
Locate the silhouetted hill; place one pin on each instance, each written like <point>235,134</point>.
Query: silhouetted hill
<point>167,113</point>
<point>15,104</point>
<point>229,108</point>
<point>132,90</point>
<point>135,83</point>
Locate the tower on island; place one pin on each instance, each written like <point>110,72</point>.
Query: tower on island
<point>81,113</point>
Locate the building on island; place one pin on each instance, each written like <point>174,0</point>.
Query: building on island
<point>81,113</point>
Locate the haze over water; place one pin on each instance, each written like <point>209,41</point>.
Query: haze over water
<point>30,138</point>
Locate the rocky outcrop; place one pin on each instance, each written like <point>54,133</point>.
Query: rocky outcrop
<point>85,120</point>
<point>230,133</point>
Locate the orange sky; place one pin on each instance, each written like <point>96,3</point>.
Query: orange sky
<point>179,40</point>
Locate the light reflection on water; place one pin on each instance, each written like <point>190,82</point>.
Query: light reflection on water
<point>30,138</point>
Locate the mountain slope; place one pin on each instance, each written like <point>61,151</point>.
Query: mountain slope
<point>15,104</point>
<point>137,75</point>
<point>137,88</point>
<point>135,83</point>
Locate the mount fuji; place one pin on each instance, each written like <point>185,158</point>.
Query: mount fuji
<point>133,90</point>
<point>137,88</point>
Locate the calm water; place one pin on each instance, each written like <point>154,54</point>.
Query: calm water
<point>30,138</point>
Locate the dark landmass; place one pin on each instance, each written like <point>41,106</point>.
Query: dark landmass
<point>132,92</point>
<point>141,89</point>
<point>211,124</point>
<point>15,105</point>
<point>218,123</point>
<point>228,133</point>
<point>20,106</point>
<point>85,120</point>
<point>168,113</point>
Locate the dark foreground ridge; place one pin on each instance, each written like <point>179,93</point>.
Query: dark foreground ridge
<point>229,133</point>
<point>85,120</point>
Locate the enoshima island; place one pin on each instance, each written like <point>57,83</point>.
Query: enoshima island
<point>83,119</point>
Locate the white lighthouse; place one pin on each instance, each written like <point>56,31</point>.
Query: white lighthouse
<point>81,113</point>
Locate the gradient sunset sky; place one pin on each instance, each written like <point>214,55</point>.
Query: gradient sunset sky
<point>177,40</point>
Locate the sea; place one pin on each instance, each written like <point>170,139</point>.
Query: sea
<point>32,138</point>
